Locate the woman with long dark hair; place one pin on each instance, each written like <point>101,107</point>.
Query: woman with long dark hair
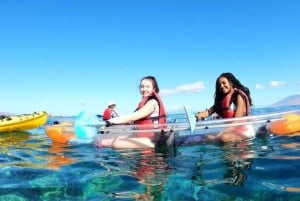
<point>232,99</point>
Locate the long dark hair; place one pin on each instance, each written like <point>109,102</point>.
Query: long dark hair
<point>219,96</point>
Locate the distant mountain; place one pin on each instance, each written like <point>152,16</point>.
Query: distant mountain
<point>290,100</point>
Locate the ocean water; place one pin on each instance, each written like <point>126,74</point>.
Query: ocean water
<point>34,168</point>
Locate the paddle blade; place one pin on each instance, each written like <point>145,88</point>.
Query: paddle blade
<point>84,125</point>
<point>191,119</point>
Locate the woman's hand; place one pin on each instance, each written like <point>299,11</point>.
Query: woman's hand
<point>202,115</point>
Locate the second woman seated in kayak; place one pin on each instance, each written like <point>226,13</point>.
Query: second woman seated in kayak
<point>232,99</point>
<point>149,114</point>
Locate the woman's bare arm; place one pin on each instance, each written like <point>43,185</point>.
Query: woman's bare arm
<point>146,110</point>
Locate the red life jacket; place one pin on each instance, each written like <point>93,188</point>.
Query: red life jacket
<point>148,121</point>
<point>107,114</point>
<point>227,112</point>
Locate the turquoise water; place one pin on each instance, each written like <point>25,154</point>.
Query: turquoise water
<point>32,168</point>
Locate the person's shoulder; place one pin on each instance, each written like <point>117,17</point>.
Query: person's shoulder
<point>153,101</point>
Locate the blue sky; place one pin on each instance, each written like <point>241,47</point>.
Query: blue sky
<point>64,56</point>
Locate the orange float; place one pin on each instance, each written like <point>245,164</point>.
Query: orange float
<point>60,133</point>
<point>289,125</point>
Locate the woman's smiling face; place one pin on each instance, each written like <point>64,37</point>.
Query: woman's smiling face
<point>224,85</point>
<point>146,88</point>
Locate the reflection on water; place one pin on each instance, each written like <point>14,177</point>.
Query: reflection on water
<point>57,156</point>
<point>237,157</point>
<point>32,168</point>
<point>14,138</point>
<point>18,149</point>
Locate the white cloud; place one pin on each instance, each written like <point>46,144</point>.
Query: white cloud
<point>276,83</point>
<point>270,84</point>
<point>259,86</point>
<point>195,87</point>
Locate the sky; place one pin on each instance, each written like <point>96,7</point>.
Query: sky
<point>65,56</point>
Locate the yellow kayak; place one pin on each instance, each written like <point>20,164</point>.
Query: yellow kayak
<point>23,122</point>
